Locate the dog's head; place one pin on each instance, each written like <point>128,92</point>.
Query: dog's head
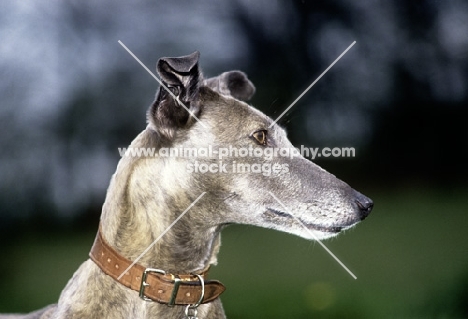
<point>251,183</point>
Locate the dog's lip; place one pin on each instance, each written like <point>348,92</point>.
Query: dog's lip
<point>312,226</point>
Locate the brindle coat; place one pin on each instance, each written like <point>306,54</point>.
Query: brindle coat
<point>146,194</point>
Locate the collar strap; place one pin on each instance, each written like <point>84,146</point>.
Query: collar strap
<point>154,284</point>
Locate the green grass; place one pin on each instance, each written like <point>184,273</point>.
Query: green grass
<point>410,257</point>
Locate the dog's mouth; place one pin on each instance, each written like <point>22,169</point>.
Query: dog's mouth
<point>325,229</point>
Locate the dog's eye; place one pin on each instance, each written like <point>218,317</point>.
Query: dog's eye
<point>260,136</point>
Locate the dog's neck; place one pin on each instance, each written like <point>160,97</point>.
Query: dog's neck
<point>138,213</point>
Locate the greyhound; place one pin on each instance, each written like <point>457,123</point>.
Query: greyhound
<point>147,194</point>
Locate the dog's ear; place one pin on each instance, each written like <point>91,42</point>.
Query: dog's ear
<point>182,77</point>
<point>233,83</point>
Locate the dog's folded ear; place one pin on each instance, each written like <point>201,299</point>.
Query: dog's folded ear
<point>232,83</point>
<point>181,78</point>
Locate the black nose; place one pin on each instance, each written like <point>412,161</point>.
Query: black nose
<point>365,205</point>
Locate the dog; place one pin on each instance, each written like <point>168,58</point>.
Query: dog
<point>162,218</point>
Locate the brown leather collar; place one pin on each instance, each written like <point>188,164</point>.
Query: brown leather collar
<point>155,284</point>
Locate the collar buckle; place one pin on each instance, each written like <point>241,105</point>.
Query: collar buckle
<point>144,284</point>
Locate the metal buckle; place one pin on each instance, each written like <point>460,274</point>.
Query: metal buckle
<point>144,284</point>
<point>175,290</point>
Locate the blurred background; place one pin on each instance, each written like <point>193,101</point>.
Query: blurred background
<point>71,95</point>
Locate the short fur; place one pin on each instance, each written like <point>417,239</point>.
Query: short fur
<point>146,194</point>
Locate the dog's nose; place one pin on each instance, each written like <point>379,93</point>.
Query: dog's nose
<point>365,205</point>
